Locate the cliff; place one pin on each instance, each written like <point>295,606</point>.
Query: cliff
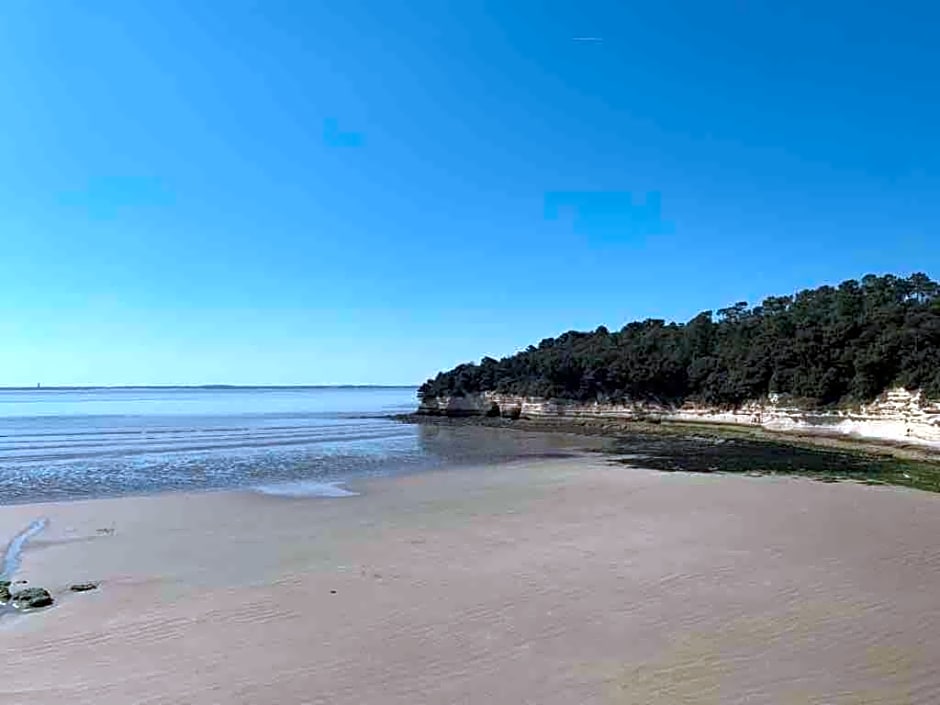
<point>897,415</point>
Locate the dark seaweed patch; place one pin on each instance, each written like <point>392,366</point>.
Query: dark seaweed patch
<point>691,453</point>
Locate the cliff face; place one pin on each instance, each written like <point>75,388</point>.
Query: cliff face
<point>898,415</point>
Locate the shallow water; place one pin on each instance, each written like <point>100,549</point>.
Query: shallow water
<point>14,550</point>
<point>65,444</point>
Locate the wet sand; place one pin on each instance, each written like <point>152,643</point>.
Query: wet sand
<point>557,581</point>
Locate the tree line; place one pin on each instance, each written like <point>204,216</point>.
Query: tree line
<point>823,347</point>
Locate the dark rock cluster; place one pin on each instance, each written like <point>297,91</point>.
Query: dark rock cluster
<point>28,598</point>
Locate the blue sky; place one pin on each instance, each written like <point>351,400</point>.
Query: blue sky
<point>340,192</point>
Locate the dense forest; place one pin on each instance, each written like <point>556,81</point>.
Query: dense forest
<point>823,346</point>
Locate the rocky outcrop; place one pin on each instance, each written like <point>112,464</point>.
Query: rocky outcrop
<point>31,598</point>
<point>898,415</point>
<point>83,587</point>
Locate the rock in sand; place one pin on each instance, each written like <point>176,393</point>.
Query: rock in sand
<point>31,598</point>
<point>83,587</point>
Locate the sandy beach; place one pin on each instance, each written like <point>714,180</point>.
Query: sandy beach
<point>556,581</point>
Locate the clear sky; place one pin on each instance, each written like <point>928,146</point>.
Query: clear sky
<point>281,192</point>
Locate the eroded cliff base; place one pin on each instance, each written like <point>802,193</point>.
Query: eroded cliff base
<point>898,417</point>
<point>670,443</point>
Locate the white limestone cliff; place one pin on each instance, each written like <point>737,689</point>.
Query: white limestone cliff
<point>897,415</point>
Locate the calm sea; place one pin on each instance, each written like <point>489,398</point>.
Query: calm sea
<point>64,444</point>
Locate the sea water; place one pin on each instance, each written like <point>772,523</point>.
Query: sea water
<point>76,443</point>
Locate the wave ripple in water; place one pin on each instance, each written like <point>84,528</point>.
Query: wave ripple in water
<point>63,444</point>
